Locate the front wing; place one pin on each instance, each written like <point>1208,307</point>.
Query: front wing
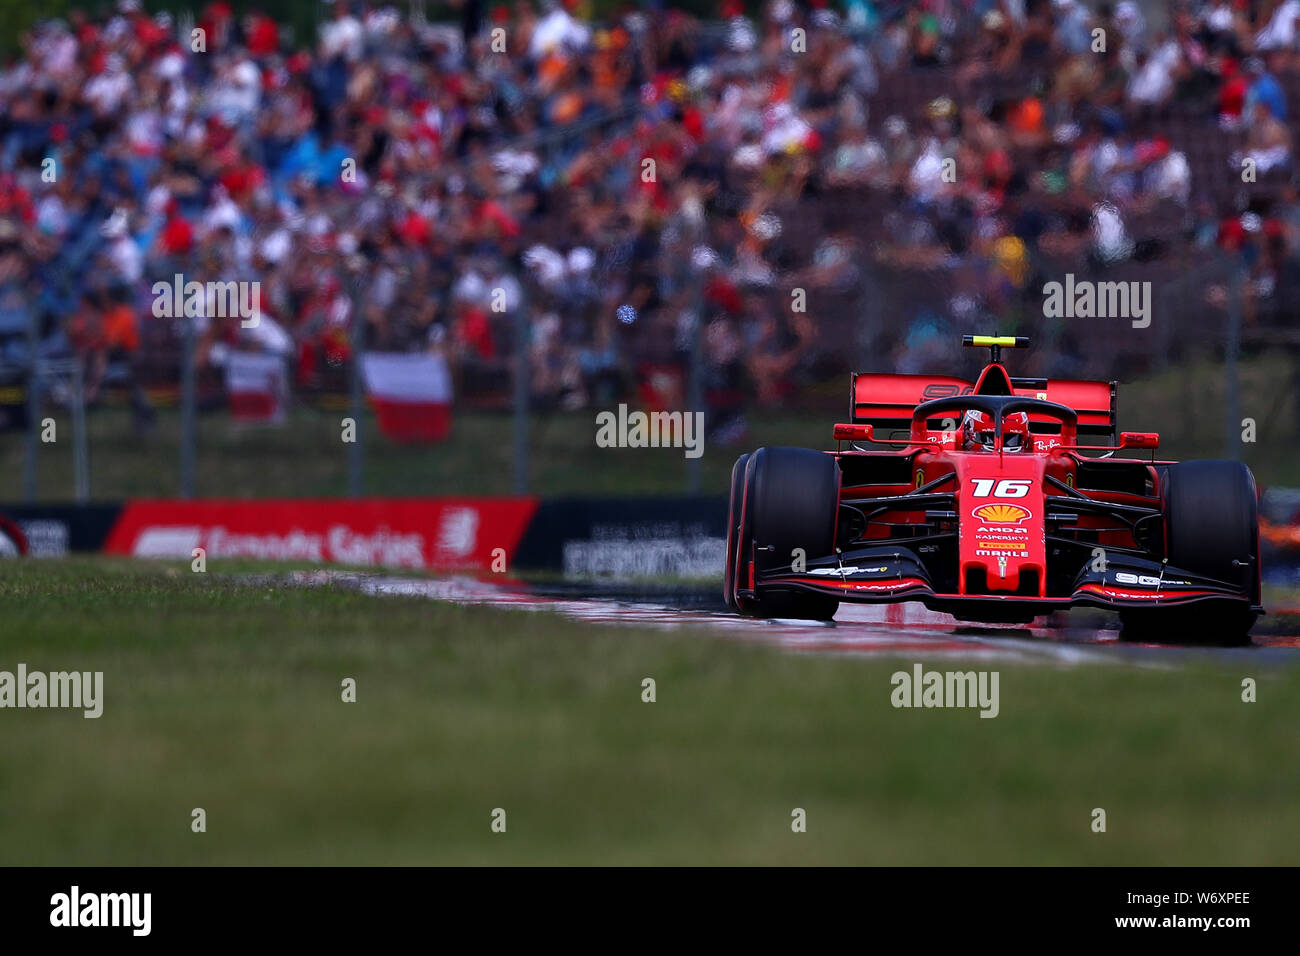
<point>893,572</point>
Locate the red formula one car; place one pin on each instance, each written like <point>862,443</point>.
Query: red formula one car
<point>995,502</point>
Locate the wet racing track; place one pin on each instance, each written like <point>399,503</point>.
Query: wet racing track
<point>895,629</point>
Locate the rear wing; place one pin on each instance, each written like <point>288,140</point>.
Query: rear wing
<point>886,401</point>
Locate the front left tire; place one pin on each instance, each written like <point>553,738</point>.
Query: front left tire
<point>1211,511</point>
<point>790,501</point>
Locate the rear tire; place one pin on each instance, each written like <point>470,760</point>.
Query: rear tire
<point>792,502</point>
<point>1212,529</point>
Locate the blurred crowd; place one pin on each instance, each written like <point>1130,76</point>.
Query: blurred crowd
<point>602,197</point>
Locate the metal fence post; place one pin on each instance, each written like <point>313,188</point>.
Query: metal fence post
<point>33,415</point>
<point>695,372</point>
<point>187,411</point>
<point>1231,348</point>
<point>521,392</point>
<point>80,453</point>
<point>356,452</point>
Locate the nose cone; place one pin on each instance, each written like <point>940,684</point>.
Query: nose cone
<point>1000,501</point>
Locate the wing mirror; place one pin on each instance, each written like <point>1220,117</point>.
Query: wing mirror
<point>1139,440</point>
<point>853,432</point>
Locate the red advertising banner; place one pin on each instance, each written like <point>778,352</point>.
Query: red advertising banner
<point>436,534</point>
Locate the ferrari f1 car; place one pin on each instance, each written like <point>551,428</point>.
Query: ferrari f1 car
<point>995,502</point>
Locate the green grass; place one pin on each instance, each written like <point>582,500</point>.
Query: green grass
<point>307,458</point>
<point>1186,404</point>
<point>227,697</point>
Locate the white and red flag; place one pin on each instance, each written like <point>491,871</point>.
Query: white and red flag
<point>256,386</point>
<point>411,394</point>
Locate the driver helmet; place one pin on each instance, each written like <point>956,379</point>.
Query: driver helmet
<point>978,433</point>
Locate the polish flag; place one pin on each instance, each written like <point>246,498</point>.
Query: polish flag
<point>411,394</point>
<point>256,387</point>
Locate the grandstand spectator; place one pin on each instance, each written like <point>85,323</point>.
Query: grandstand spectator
<point>451,172</point>
<point>1264,89</point>
<point>1268,142</point>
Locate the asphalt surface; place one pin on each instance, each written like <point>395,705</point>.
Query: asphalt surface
<point>897,629</point>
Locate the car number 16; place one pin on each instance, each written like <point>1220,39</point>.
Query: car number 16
<point>1006,488</point>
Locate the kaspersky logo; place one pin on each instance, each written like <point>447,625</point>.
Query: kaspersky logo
<point>1001,514</point>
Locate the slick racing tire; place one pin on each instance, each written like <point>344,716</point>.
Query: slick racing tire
<point>1211,529</point>
<point>792,501</point>
<point>733,530</point>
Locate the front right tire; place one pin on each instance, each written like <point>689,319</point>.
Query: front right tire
<point>734,504</point>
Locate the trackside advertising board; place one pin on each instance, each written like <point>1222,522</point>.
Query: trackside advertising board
<point>434,534</point>
<point>580,537</point>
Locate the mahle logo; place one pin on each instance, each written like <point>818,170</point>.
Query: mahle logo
<point>1002,514</point>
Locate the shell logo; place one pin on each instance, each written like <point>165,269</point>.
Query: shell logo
<point>1001,514</point>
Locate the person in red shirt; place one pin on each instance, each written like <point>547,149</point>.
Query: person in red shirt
<point>1232,95</point>
<point>262,35</point>
<point>177,235</point>
<point>473,333</point>
<point>120,331</point>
